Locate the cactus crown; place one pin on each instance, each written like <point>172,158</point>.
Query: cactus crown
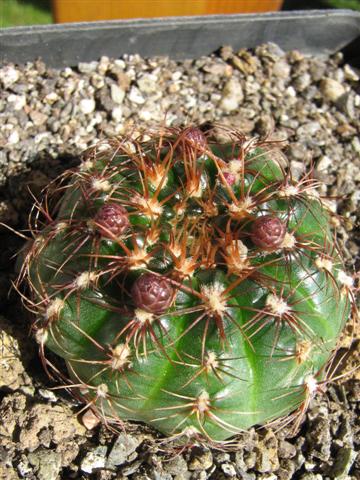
<point>187,283</point>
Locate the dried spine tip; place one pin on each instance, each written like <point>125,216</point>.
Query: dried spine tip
<point>152,293</point>
<point>157,176</point>
<point>112,220</point>
<point>186,266</point>
<point>268,232</point>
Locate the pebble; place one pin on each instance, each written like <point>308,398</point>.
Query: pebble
<point>117,93</point>
<point>47,464</point>
<point>201,460</point>
<point>13,138</point>
<point>228,469</point>
<point>331,89</point>
<point>38,118</point>
<point>176,466</point>
<point>281,69</point>
<point>117,114</point>
<point>123,447</point>
<point>135,96</point>
<point>148,83</point>
<point>9,75</point>
<point>94,459</point>
<point>87,105</point>
<point>87,67</point>
<point>18,101</point>
<point>232,95</point>
<point>323,163</point>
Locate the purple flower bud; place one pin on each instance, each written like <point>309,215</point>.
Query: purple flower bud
<point>152,293</point>
<point>112,220</point>
<point>268,232</point>
<point>194,139</point>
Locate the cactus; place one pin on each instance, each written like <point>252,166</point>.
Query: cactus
<point>188,283</point>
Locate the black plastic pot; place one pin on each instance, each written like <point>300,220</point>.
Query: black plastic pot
<point>311,31</point>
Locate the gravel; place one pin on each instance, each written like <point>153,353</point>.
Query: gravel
<point>47,118</point>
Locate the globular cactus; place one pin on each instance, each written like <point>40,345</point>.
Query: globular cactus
<point>187,283</point>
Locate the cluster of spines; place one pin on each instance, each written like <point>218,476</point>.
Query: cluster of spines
<point>164,235</point>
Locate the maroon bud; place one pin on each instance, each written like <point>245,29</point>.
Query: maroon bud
<point>112,220</point>
<point>152,293</point>
<point>194,138</point>
<point>229,177</point>
<point>268,232</point>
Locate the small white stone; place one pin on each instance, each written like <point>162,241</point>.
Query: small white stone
<point>232,95</point>
<point>117,114</point>
<point>87,105</point>
<point>117,93</point>
<point>148,83</point>
<point>281,69</point>
<point>145,115</point>
<point>350,74</point>
<point>291,91</point>
<point>94,460</point>
<point>135,96</point>
<point>331,89</point>
<point>51,98</point>
<point>228,469</point>
<point>9,75</point>
<point>18,101</point>
<point>324,163</point>
<point>13,138</point>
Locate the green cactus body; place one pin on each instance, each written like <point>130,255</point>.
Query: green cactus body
<point>168,298</point>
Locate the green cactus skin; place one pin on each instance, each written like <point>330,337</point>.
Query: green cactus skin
<point>247,322</point>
